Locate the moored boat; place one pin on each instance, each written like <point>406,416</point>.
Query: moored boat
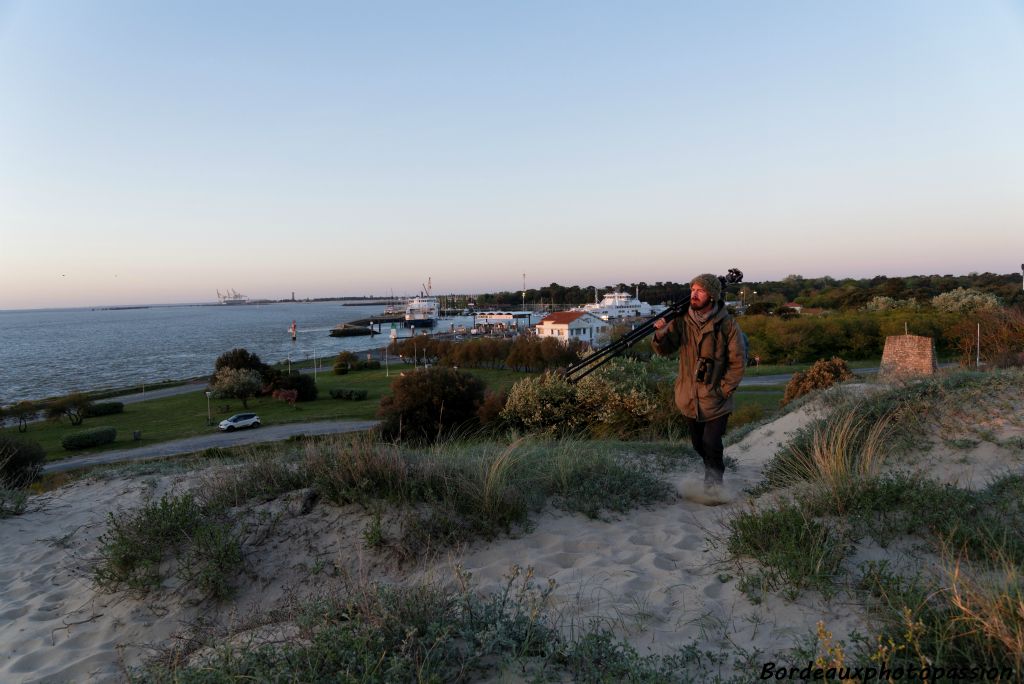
<point>618,305</point>
<point>424,310</point>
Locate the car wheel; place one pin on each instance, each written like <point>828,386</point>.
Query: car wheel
<point>230,428</point>
<point>256,424</point>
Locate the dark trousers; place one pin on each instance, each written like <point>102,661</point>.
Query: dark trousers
<point>706,437</point>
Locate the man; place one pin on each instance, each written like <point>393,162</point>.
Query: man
<point>711,363</point>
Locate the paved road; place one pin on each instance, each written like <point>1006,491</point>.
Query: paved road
<point>197,386</point>
<point>177,447</point>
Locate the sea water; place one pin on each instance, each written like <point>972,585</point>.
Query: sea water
<point>51,352</point>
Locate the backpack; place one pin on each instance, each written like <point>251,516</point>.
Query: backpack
<point>744,342</point>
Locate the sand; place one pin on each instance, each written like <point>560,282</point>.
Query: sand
<point>654,575</point>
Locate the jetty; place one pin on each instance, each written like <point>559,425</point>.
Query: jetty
<point>374,320</point>
<point>350,330</point>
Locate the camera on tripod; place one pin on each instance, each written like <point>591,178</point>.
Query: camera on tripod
<point>705,366</point>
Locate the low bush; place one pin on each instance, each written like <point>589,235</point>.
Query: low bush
<point>430,403</point>
<point>345,360</point>
<point>795,551</point>
<point>545,403</point>
<point>89,438</point>
<point>489,413</point>
<point>349,394</point>
<point>20,461</point>
<point>302,383</point>
<point>287,396</point>
<point>134,548</point>
<point>12,501</point>
<point>619,400</point>
<point>821,375</point>
<point>103,408</point>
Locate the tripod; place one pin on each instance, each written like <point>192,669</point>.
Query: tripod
<point>588,365</point>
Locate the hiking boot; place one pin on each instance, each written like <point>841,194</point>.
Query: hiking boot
<point>712,479</point>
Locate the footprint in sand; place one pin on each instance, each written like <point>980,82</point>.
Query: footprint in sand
<point>713,590</point>
<point>690,542</point>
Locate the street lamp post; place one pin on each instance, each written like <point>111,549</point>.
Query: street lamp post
<point>209,416</point>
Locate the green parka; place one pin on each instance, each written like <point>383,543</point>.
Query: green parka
<point>718,339</point>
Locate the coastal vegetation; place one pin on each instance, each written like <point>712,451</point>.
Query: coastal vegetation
<point>470,489</point>
<point>20,462</point>
<point>850,482</point>
<point>842,490</point>
<point>430,404</point>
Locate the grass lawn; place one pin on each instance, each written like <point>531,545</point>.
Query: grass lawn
<point>779,369</point>
<point>161,420</point>
<point>766,396</point>
<point>185,415</point>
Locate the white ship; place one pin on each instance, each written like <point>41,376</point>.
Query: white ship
<point>422,311</point>
<point>232,297</point>
<point>618,305</point>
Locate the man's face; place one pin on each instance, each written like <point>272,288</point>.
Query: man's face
<point>700,300</point>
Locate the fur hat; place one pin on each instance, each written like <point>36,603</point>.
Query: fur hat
<point>711,284</point>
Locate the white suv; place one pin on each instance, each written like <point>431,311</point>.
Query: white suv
<point>240,420</point>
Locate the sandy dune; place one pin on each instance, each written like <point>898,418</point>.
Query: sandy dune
<point>653,575</point>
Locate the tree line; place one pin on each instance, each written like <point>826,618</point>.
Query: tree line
<point>825,292</point>
<point>524,353</point>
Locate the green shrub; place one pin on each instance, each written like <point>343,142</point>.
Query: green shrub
<point>20,461</point>
<point>345,359</point>
<point>12,501</point>
<point>104,408</point>
<point>349,394</point>
<point>136,545</point>
<point>429,403</point>
<point>89,438</point>
<point>545,403</point>
<point>302,383</point>
<point>619,400</point>
<point>821,375</point>
<point>795,550</point>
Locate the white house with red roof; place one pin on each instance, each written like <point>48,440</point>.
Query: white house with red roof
<point>574,325</point>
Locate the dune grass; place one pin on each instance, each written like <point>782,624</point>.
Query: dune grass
<point>961,615</point>
<point>430,632</point>
<point>859,432</point>
<point>445,494</point>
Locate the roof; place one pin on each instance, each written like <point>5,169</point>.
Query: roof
<point>563,317</point>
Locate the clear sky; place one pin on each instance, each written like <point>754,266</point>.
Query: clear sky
<point>157,151</point>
